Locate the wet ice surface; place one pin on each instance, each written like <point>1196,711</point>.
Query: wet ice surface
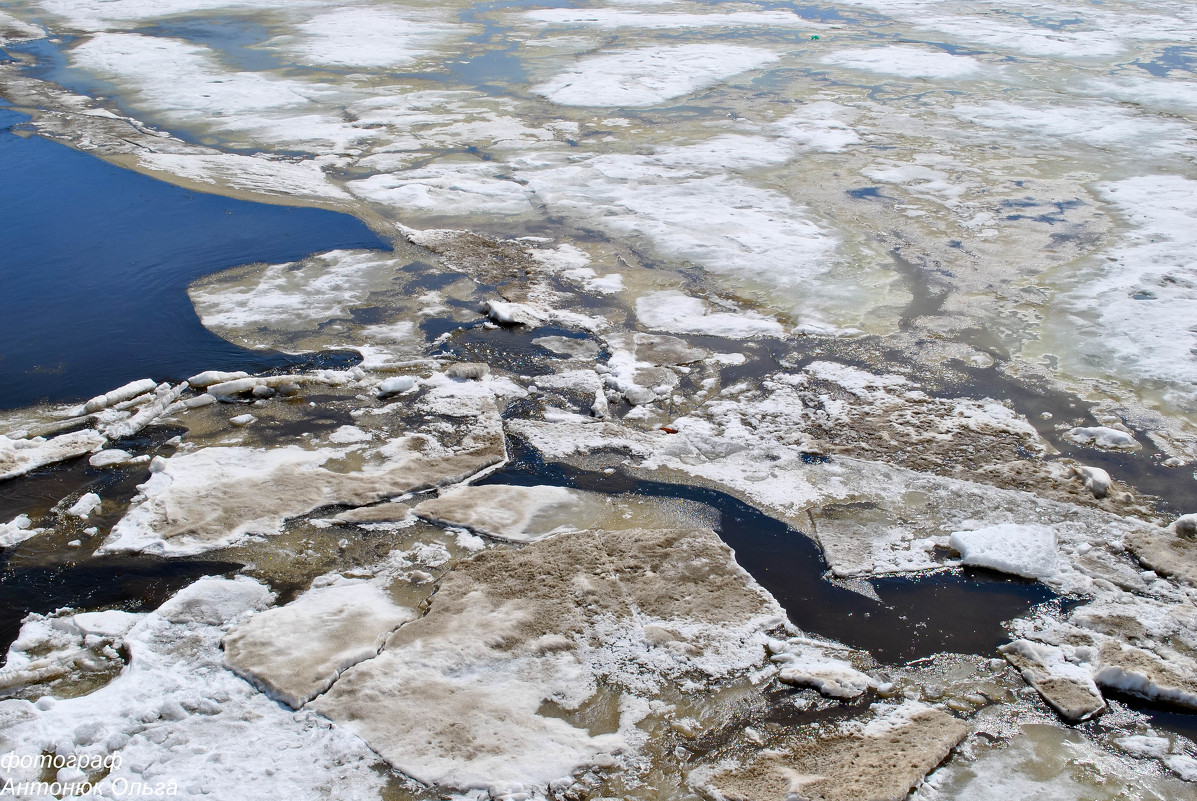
<point>884,293</point>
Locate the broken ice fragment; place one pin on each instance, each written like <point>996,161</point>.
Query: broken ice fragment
<point>1027,550</point>
<point>295,652</point>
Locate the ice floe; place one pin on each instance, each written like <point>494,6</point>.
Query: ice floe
<point>906,62</point>
<point>509,630</point>
<point>17,530</point>
<point>261,488</point>
<point>683,314</point>
<point>884,759</point>
<point>175,712</point>
<point>368,36</point>
<point>295,652</point>
<point>19,456</point>
<point>519,514</point>
<point>1024,550</point>
<point>650,76</point>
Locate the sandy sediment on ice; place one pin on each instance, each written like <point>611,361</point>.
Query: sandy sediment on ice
<point>510,630</point>
<point>295,652</point>
<point>883,761</point>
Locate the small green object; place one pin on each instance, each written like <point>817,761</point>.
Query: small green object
<point>814,37</point>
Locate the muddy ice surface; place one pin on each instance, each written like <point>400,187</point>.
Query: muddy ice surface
<point>907,280</point>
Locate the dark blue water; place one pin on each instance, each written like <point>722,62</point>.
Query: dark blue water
<point>95,261</point>
<point>917,616</point>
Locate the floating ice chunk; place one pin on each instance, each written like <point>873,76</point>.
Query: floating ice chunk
<point>83,507</point>
<point>1022,549</point>
<point>1140,672</point>
<point>881,761</point>
<point>188,85</point>
<point>1095,480</point>
<point>1131,316</point>
<point>17,530</point>
<point>1067,686</point>
<point>295,652</point>
<point>209,377</point>
<point>906,61</point>
<point>648,20</point>
<point>1025,37</point>
<point>176,714</point>
<point>818,126</point>
<point>396,384</point>
<point>349,434</point>
<point>808,663</point>
<point>506,313</point>
<point>447,187</point>
<point>214,601</point>
<point>1182,765</point>
<point>1143,746</point>
<point>519,514</point>
<point>679,313</point>
<point>651,75</point>
<point>164,396</point>
<point>569,346</point>
<point>468,371</point>
<point>15,30</point>
<point>259,489</point>
<point>1168,94</point>
<point>127,392</point>
<point>110,457</point>
<point>369,36</point>
<point>1110,439</point>
<point>304,179</point>
<point>453,698</point>
<point>686,204</point>
<point>242,420</point>
<point>19,456</point>
<point>1097,125</point>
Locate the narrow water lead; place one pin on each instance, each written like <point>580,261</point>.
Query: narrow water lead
<point>959,612</point>
<point>134,584</point>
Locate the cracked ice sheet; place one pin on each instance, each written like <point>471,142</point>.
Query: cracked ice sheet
<point>303,179</point>
<point>186,85</point>
<point>693,213</point>
<point>1132,315</point>
<point>906,62</point>
<point>175,713</point>
<point>369,37</point>
<point>669,20</point>
<point>258,489</point>
<point>295,652</point>
<point>455,698</point>
<point>651,75</point>
<point>1098,125</point>
<point>295,296</point>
